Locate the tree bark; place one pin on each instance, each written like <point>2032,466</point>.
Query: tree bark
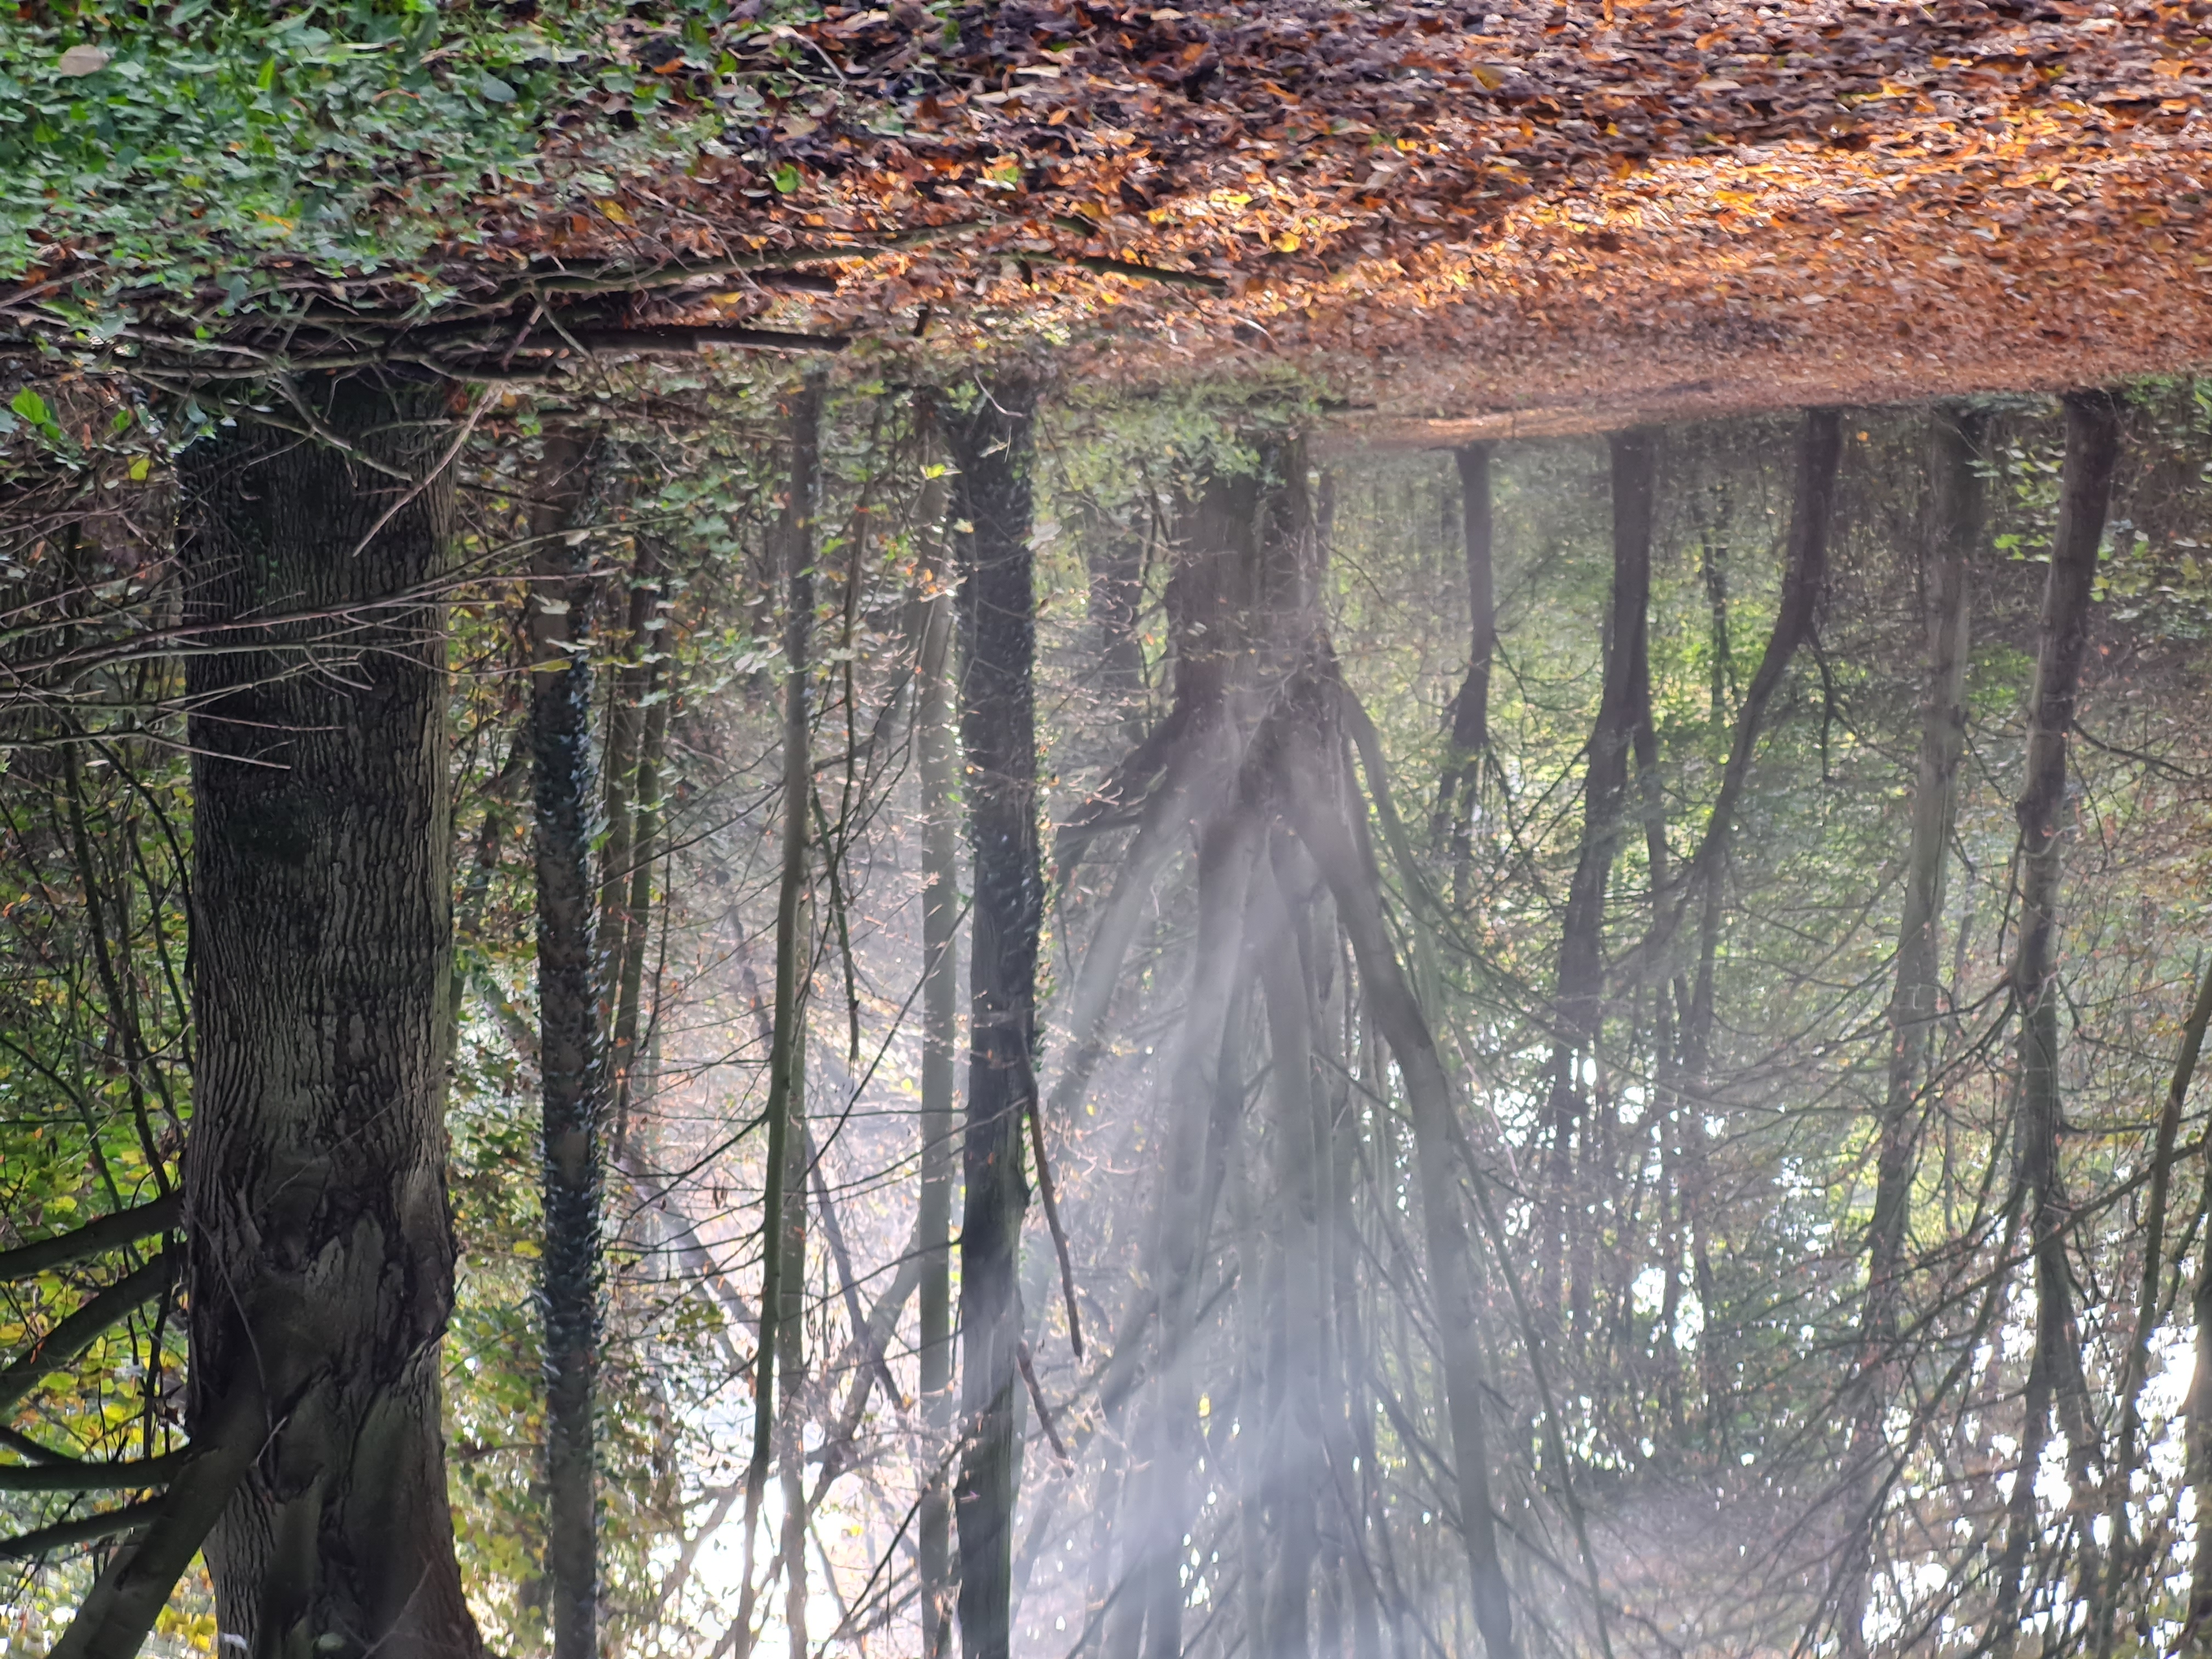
<point>2119,1478</point>
<point>1469,743</point>
<point>991,447</point>
<point>794,946</point>
<point>1580,986</point>
<point>570,1049</point>
<point>2054,1375</point>
<point>1955,533</point>
<point>321,1257</point>
<point>940,923</point>
<point>1296,1464</point>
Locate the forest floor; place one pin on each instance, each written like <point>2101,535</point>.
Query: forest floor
<point>1460,224</point>
<point>1442,221</point>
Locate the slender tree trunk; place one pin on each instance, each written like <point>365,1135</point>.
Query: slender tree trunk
<point>1811,515</point>
<point>2196,1631</point>
<point>991,447</point>
<point>2126,1559</point>
<point>1117,576</point>
<point>1297,1465</point>
<point>321,1250</point>
<point>1580,981</point>
<point>571,1056</point>
<point>628,1063</point>
<point>1470,710</point>
<point>791,1366</point>
<point>2054,1376</point>
<point>794,948</point>
<point>1954,531</point>
<point>637,723</point>
<point>940,920</point>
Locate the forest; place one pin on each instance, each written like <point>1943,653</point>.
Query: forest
<point>1325,830</point>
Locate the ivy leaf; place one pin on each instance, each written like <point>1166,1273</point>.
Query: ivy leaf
<point>786,178</point>
<point>32,407</point>
<point>82,60</point>
<point>495,89</point>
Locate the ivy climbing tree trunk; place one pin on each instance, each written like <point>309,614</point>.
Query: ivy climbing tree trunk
<point>569,1047</point>
<point>2054,1372</point>
<point>991,444</point>
<point>321,1268</point>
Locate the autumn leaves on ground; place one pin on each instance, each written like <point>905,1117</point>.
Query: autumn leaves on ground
<point>1473,224</point>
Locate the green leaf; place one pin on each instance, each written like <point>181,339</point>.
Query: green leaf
<point>496,90</point>
<point>786,178</point>
<point>32,407</point>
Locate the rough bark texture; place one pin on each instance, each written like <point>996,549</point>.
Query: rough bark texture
<point>321,1250</point>
<point>991,448</point>
<point>1953,534</point>
<point>2054,1369</point>
<point>571,1054</point>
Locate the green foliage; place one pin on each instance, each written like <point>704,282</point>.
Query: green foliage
<point>200,148</point>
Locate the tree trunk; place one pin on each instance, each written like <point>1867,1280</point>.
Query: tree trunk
<point>571,1055</point>
<point>1308,785</point>
<point>322,1255</point>
<point>940,921</point>
<point>1117,579</point>
<point>1955,533</point>
<point>2120,1477</point>
<point>1580,981</point>
<point>1804,574</point>
<point>1296,1464</point>
<point>991,448</point>
<point>794,946</point>
<point>1470,710</point>
<point>2054,1375</point>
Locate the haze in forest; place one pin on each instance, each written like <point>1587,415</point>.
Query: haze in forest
<point>1306,831</point>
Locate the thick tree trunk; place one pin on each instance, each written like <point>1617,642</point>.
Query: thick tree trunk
<point>571,1056</point>
<point>794,948</point>
<point>940,990</point>
<point>1579,995</point>
<point>991,448</point>
<point>322,1252</point>
<point>2054,1376</point>
<point>1954,531</point>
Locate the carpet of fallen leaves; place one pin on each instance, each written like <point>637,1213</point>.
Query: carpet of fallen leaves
<point>1460,221</point>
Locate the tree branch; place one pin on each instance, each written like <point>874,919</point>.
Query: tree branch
<point>77,1474</point>
<point>85,1529</point>
<point>107,1233</point>
<point>84,1328</point>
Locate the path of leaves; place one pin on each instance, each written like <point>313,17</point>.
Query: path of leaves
<point>1463,221</point>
